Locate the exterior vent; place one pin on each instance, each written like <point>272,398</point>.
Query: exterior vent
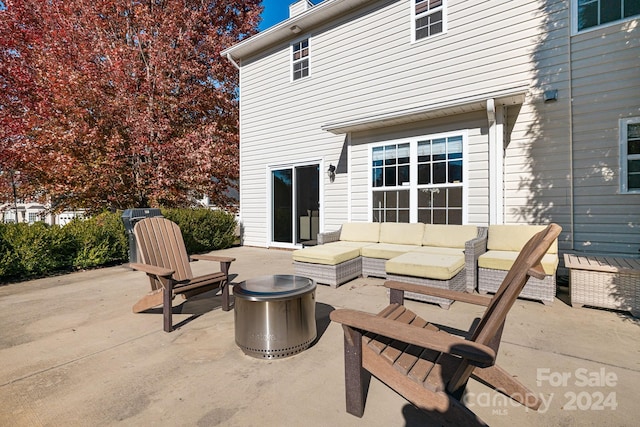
<point>299,7</point>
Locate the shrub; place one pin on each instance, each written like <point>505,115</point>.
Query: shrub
<point>100,240</point>
<point>204,230</point>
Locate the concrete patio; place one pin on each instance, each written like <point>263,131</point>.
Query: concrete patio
<point>74,354</point>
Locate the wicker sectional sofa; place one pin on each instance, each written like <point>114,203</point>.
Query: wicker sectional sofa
<point>437,255</point>
<point>503,246</point>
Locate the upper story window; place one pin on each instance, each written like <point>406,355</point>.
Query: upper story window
<point>630,155</point>
<point>428,18</point>
<point>300,59</point>
<point>592,13</point>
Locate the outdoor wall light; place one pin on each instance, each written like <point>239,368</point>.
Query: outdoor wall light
<point>550,95</point>
<point>295,29</point>
<point>331,172</point>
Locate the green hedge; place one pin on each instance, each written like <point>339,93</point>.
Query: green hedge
<point>36,250</point>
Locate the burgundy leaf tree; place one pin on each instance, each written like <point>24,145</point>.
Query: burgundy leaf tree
<point>117,104</point>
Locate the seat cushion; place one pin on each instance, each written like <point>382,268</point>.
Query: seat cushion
<point>400,233</point>
<point>360,232</point>
<point>503,260</point>
<point>450,236</point>
<point>503,237</point>
<point>428,265</point>
<point>328,254</point>
<point>439,250</point>
<point>385,250</point>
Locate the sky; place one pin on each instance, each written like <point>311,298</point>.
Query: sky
<point>276,11</point>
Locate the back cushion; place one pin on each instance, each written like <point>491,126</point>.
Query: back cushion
<point>513,237</point>
<point>360,232</point>
<point>401,233</point>
<point>448,236</point>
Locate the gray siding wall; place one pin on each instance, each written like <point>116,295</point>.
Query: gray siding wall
<point>606,87</point>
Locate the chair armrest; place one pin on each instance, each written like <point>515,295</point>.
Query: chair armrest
<point>152,269</point>
<point>329,236</point>
<point>472,250</point>
<point>211,258</point>
<point>442,293</point>
<point>477,354</point>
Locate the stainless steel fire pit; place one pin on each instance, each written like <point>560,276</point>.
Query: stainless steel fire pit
<point>275,316</point>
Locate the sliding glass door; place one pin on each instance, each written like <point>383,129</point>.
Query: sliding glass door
<point>295,200</point>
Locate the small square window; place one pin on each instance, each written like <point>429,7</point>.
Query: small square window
<point>429,18</point>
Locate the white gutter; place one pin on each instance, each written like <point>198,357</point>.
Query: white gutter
<point>230,58</point>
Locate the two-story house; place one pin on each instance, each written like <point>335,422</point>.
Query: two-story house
<point>443,111</point>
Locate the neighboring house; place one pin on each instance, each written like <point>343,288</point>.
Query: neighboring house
<point>35,212</point>
<point>458,111</point>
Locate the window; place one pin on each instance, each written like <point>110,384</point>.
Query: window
<point>592,13</point>
<point>420,180</point>
<point>630,155</point>
<point>300,59</point>
<point>428,18</point>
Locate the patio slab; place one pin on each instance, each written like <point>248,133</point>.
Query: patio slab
<point>73,353</point>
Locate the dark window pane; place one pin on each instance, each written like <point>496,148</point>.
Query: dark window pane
<point>588,16</point>
<point>440,198</point>
<point>378,199</point>
<point>455,171</point>
<point>633,166</point>
<point>633,129</point>
<point>377,215</point>
<point>610,11</point>
<point>391,216</point>
<point>424,216</point>
<point>403,199</point>
<point>633,147</point>
<point>424,174</point>
<point>634,181</point>
<point>424,198</point>
<point>377,177</point>
<point>390,176</point>
<point>439,173</point>
<point>439,216</point>
<point>435,28</point>
<point>455,216</point>
<point>403,174</point>
<point>403,216</point>
<point>631,8</point>
<point>391,199</point>
<point>455,197</point>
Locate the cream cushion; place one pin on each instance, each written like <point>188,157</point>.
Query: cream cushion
<point>360,232</point>
<point>448,236</point>
<point>328,254</point>
<point>503,260</point>
<point>513,237</point>
<point>428,265</point>
<point>385,250</point>
<point>438,250</point>
<point>401,233</point>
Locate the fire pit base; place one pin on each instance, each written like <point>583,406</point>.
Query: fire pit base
<point>275,316</point>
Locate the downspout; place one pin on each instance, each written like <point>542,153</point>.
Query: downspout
<point>571,165</point>
<point>491,133</point>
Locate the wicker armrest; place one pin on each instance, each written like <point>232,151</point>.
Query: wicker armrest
<point>472,250</point>
<point>328,237</point>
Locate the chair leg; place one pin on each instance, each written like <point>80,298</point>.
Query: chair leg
<point>224,267</point>
<point>355,376</point>
<point>167,306</point>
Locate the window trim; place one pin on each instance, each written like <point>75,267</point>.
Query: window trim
<point>413,185</point>
<point>574,21</point>
<point>292,62</point>
<point>624,156</point>
<point>412,5</point>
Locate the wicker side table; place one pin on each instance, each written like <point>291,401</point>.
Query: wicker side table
<point>605,282</point>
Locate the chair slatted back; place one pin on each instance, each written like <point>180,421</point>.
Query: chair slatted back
<point>492,321</point>
<point>160,243</point>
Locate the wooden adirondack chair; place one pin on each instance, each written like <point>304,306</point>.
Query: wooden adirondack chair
<point>165,260</point>
<point>429,366</point>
